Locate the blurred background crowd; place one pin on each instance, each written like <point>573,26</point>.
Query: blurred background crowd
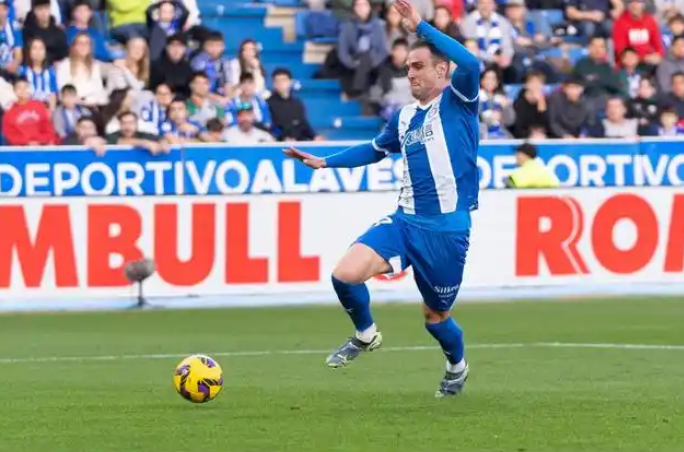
<point>153,74</point>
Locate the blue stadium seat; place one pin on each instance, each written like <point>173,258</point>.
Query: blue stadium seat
<point>326,108</point>
<point>554,16</point>
<point>324,28</point>
<point>512,91</point>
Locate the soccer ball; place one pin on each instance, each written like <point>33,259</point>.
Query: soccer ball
<point>198,378</point>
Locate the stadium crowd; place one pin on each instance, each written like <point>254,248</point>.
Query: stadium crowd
<point>154,76</point>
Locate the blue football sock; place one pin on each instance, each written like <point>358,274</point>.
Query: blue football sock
<point>356,301</point>
<point>450,338</point>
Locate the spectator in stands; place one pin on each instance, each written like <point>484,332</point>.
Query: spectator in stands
<point>599,77</point>
<point>153,108</point>
<point>201,108</point>
<point>288,113</point>
<point>538,13</point>
<point>568,115</point>
<point>394,29</point>
<point>644,106</point>
<point>444,22</point>
<point>82,71</point>
<point>173,68</point>
<point>40,24</point>
<point>496,110</point>
<point>631,72</point>
<point>164,19</point>
<point>531,106</point>
<point>471,46</point>
<point>66,115</point>
<point>39,73</point>
<point>456,8</point>
<point>212,62</point>
<point>127,19</point>
<point>248,61</point>
<point>85,134</point>
<point>670,125</point>
<point>531,172</point>
<point>673,63</point>
<point>675,27</point>
<point>393,90</point>
<point>361,49</point>
<point>344,9</point>
<point>675,97</point>
<point>593,17</point>
<point>527,43</point>
<point>615,124</point>
<point>178,129</point>
<point>638,29</point>
<point>11,41</point>
<point>245,131</point>
<point>132,72</point>
<point>667,10</point>
<point>492,32</point>
<point>19,9</point>
<point>214,133</point>
<point>27,122</point>
<point>248,95</point>
<point>81,17</point>
<point>129,135</point>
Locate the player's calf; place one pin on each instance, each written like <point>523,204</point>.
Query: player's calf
<point>449,334</point>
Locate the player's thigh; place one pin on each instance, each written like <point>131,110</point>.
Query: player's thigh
<point>378,251</point>
<point>438,261</point>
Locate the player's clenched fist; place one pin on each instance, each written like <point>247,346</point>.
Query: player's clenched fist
<point>309,160</point>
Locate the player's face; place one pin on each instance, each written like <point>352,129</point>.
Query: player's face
<point>424,73</point>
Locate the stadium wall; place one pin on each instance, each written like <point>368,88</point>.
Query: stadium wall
<point>61,251</point>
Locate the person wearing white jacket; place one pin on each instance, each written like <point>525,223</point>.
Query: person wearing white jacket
<point>83,71</point>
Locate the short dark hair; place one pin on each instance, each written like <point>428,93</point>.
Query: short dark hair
<point>246,77</point>
<point>214,36</point>
<point>214,125</point>
<point>677,38</point>
<point>83,119</point>
<point>668,109</point>
<point>282,71</point>
<point>595,37</point>
<point>123,114</point>
<point>436,54</point>
<point>528,149</point>
<point>535,74</point>
<point>68,88</point>
<point>677,74</point>
<point>19,80</point>
<point>400,42</point>
<point>627,50</point>
<point>198,74</point>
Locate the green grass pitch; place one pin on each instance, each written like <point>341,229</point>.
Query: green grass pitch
<point>528,397</point>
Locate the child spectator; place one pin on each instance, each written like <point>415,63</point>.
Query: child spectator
<point>245,131</point>
<point>673,63</point>
<point>40,24</point>
<point>568,115</point>
<point>638,29</point>
<point>615,124</point>
<point>361,48</point>
<point>290,122</point>
<point>393,90</point>
<point>201,108</point>
<point>669,123</point>
<point>644,106</point>
<point>82,71</point>
<point>394,29</point>
<point>667,10</point>
<point>164,19</point>
<point>531,106</point>
<point>178,129</point>
<point>496,110</point>
<point>248,62</point>
<point>153,109</point>
<point>133,72</point>
<point>11,41</point>
<point>631,73</point>
<point>81,15</point>
<point>492,32</point>
<point>214,133</point>
<point>27,122</point>
<point>212,62</point>
<point>173,68</point>
<point>675,27</point>
<point>39,74</point>
<point>67,114</point>
<point>248,96</point>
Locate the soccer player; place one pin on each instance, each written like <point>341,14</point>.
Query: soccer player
<point>438,139</point>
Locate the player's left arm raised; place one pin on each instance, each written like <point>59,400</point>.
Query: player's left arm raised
<point>466,78</point>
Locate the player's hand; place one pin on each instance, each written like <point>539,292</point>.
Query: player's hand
<point>410,17</point>
<point>309,160</point>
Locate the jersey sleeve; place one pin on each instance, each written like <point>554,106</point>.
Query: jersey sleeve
<point>387,141</point>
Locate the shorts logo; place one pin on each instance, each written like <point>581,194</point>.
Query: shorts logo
<point>446,290</point>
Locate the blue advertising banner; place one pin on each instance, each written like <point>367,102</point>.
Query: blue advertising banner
<point>216,170</point>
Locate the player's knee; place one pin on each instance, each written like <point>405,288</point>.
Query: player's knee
<point>432,316</point>
<point>349,275</point>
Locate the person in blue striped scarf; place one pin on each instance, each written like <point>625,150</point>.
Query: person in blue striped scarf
<point>39,74</point>
<point>66,115</point>
<point>11,40</point>
<point>492,32</point>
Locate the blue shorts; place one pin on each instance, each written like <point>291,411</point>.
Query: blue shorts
<point>437,257</point>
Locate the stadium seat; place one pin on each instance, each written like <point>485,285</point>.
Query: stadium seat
<point>554,16</point>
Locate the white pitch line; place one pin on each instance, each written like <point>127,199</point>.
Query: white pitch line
<point>248,353</point>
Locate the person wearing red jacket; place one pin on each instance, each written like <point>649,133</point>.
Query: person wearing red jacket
<point>639,30</point>
<point>27,122</point>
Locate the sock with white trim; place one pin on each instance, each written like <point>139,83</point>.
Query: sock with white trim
<point>355,299</point>
<point>450,338</point>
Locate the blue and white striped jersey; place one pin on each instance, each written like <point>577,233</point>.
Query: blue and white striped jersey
<point>438,143</point>
<point>43,83</point>
<point>10,39</point>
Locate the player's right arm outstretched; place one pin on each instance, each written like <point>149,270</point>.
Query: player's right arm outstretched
<point>360,155</point>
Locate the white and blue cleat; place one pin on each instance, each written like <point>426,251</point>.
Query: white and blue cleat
<point>452,383</point>
<point>351,349</point>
